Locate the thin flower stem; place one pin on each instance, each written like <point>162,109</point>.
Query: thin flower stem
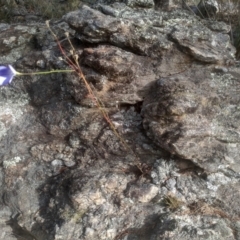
<point>47,72</point>
<point>70,62</point>
<point>74,64</point>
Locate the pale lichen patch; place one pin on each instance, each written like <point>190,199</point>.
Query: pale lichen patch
<point>12,162</point>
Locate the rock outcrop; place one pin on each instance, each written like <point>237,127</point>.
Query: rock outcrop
<point>169,85</point>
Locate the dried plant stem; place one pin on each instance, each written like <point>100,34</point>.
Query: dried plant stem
<point>99,104</point>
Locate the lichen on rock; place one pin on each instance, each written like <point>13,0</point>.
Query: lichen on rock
<point>164,81</point>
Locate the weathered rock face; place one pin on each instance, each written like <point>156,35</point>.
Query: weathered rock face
<point>195,116</point>
<point>151,33</point>
<point>166,86</point>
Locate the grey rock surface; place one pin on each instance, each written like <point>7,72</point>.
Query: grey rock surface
<point>170,91</point>
<point>151,33</point>
<point>182,118</point>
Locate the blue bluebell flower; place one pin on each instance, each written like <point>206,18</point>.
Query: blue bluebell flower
<point>6,74</point>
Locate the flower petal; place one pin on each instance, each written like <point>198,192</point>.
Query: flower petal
<point>6,74</point>
<point>12,69</point>
<point>2,67</point>
<point>2,80</point>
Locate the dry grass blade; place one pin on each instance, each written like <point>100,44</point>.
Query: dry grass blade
<point>74,64</point>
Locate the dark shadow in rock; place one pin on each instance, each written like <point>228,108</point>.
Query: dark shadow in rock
<point>10,199</point>
<point>35,44</point>
<point>188,167</point>
<point>53,198</point>
<point>48,89</point>
<point>18,231</point>
<point>126,106</point>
